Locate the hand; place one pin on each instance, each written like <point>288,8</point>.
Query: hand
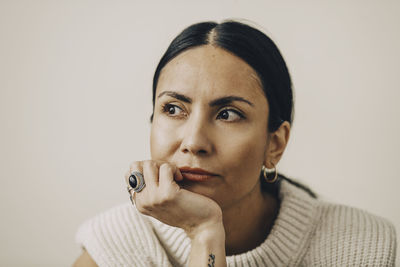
<point>163,199</point>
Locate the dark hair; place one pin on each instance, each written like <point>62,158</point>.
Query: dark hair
<point>257,50</point>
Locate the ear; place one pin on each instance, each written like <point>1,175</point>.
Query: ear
<point>276,144</point>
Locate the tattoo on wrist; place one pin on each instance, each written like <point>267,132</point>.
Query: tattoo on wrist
<point>211,260</point>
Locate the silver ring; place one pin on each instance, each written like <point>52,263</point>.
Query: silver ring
<point>129,189</point>
<point>136,182</point>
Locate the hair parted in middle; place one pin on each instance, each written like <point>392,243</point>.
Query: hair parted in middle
<point>260,53</point>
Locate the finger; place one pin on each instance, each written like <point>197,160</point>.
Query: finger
<point>134,166</point>
<point>150,173</point>
<point>177,174</point>
<point>167,173</point>
<point>133,197</point>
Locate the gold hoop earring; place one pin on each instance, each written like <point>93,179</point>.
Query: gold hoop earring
<point>267,174</point>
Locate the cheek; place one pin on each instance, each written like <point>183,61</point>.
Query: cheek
<point>243,157</point>
<point>247,151</point>
<point>161,140</point>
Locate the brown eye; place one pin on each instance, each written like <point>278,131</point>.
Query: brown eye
<point>171,109</point>
<point>230,115</point>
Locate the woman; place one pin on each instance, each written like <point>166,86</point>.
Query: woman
<point>211,194</point>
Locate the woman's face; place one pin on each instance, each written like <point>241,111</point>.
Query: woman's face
<point>211,113</point>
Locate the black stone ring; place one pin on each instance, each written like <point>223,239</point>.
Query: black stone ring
<point>136,181</point>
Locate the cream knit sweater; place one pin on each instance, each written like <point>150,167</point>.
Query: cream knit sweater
<point>307,232</point>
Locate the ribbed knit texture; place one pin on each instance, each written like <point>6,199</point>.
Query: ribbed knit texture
<point>307,232</point>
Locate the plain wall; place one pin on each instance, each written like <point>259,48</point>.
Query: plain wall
<point>75,101</point>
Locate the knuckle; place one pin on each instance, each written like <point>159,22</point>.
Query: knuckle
<point>135,165</point>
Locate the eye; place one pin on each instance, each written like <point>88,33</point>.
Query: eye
<point>230,115</point>
<point>171,110</point>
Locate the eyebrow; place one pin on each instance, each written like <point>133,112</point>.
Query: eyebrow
<point>217,102</point>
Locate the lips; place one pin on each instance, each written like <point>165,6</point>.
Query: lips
<point>196,174</point>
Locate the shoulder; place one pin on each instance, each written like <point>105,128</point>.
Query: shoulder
<point>120,236</point>
<point>84,260</point>
<point>353,237</point>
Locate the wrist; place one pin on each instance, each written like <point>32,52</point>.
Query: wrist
<point>208,246</point>
<point>206,233</point>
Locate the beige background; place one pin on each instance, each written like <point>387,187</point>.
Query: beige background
<point>75,101</point>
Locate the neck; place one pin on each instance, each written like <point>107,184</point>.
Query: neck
<point>248,222</point>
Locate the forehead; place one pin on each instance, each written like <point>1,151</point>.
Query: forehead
<point>211,71</point>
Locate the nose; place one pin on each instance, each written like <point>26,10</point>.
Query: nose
<point>196,138</point>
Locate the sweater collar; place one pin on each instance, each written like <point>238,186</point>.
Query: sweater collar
<point>284,246</point>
